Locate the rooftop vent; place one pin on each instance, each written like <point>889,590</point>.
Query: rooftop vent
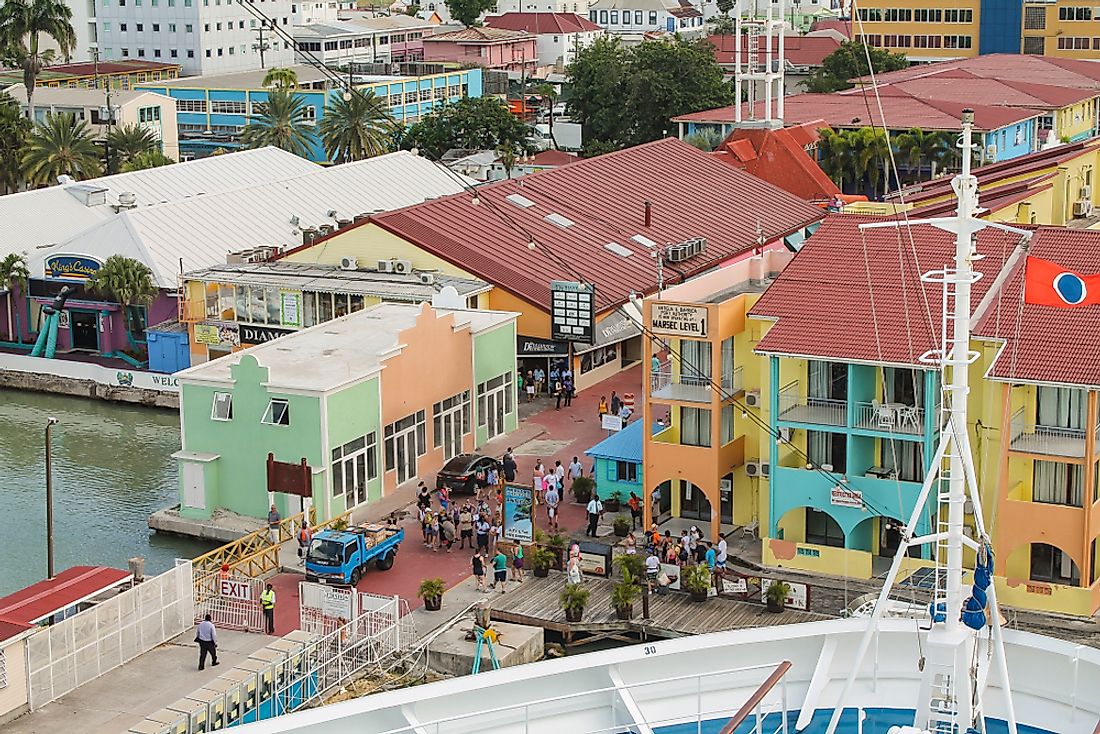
<point>520,200</point>
<point>555,218</point>
<point>641,239</point>
<point>686,249</point>
<point>127,200</point>
<point>618,249</point>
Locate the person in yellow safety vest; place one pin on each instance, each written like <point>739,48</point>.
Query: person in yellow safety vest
<point>267,603</point>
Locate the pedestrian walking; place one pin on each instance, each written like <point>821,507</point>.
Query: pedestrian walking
<point>433,531</point>
<point>444,498</point>
<point>482,526</point>
<point>508,466</point>
<point>553,499</point>
<point>540,380</point>
<point>568,387</point>
<point>576,469</point>
<point>594,509</point>
<point>559,475</point>
<point>447,532</point>
<point>267,604</point>
<point>273,520</point>
<point>635,505</point>
<point>500,570</point>
<point>478,565</point>
<point>517,563</point>
<point>616,403</point>
<point>423,496</point>
<point>530,385</point>
<point>207,637</point>
<point>655,504</point>
<point>465,526</point>
<point>305,537</point>
<point>559,393</point>
<point>603,406</point>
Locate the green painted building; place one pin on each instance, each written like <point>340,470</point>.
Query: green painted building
<point>368,401</point>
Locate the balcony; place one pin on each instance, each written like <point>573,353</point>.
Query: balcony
<point>890,417</point>
<point>664,384</point>
<point>1046,440</point>
<point>797,408</point>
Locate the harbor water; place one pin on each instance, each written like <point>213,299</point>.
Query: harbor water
<point>112,467</point>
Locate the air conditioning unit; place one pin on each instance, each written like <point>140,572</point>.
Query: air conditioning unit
<point>402,267</point>
<point>752,399</point>
<point>349,263</point>
<point>427,278</point>
<point>991,152</point>
<point>385,266</point>
<point>1086,192</point>
<point>752,468</point>
<point>677,253</point>
<point>765,469</point>
<point>1082,208</point>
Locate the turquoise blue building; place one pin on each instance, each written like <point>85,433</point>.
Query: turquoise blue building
<point>213,110</point>
<point>618,462</point>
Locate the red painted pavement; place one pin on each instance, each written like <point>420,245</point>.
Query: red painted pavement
<point>579,424</point>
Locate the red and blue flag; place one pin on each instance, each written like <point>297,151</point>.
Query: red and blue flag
<point>1049,284</point>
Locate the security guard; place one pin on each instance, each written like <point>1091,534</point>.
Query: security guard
<point>267,603</point>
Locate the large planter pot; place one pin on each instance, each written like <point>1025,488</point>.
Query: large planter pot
<point>622,533</point>
<point>574,615</point>
<point>625,612</point>
<point>541,572</point>
<point>611,505</point>
<point>433,603</point>
<point>698,596</point>
<point>774,607</point>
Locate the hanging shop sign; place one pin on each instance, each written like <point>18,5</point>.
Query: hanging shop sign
<point>678,319</point>
<point>256,334</point>
<point>218,335</point>
<point>290,303</point>
<point>531,346</point>
<point>572,311</point>
<point>75,267</point>
<point>843,497</point>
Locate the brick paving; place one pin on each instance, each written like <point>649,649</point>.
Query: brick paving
<point>573,429</point>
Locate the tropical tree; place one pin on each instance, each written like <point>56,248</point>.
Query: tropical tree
<point>282,77</point>
<point>705,139</point>
<point>14,129</point>
<point>126,142</point>
<point>281,123</point>
<point>60,145</point>
<point>548,94</point>
<point>357,125</point>
<point>919,148</point>
<point>467,12</point>
<point>22,25</point>
<point>872,156</point>
<point>836,155</point>
<point>148,159</point>
<point>475,123</point>
<point>129,283</point>
<point>850,62</point>
<point>13,276</point>
<point>507,153</point>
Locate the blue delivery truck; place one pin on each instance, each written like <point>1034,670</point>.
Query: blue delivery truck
<point>343,556</point>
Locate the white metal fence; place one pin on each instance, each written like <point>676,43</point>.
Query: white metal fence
<point>231,600</point>
<point>85,646</point>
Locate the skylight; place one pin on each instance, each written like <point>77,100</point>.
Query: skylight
<point>641,239</point>
<point>559,220</point>
<point>520,200</point>
<point>618,249</point>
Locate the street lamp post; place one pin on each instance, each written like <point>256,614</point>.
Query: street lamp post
<point>50,423</point>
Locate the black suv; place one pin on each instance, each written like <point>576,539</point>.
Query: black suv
<point>462,472</point>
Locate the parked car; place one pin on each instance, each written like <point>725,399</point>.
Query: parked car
<point>465,472</point>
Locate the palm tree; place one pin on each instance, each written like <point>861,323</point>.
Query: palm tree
<point>705,139</point>
<point>918,147</point>
<point>549,96</point>
<point>872,156</point>
<point>281,77</point>
<point>836,154</point>
<point>129,282</point>
<point>13,138</point>
<point>507,153</point>
<point>22,23</point>
<point>13,275</point>
<point>357,125</point>
<point>281,123</point>
<point>126,142</point>
<point>60,145</point>
<point>148,159</point>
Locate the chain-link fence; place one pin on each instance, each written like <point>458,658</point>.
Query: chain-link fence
<point>87,645</point>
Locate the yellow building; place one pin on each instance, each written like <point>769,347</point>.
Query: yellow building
<point>924,30</point>
<point>1063,29</point>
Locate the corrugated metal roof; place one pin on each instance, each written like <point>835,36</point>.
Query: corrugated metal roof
<point>47,597</point>
<point>1018,67</point>
<point>692,195</point>
<point>479,35</point>
<point>44,217</point>
<point>201,230</point>
<point>542,23</point>
<point>625,445</point>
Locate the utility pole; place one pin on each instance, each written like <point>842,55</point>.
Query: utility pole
<point>110,110</point>
<point>262,45</point>
<point>50,423</point>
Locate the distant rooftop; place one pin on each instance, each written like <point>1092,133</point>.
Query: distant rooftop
<point>624,445</point>
<point>77,97</point>
<point>479,35</point>
<point>87,69</point>
<point>37,602</point>
<point>542,23</point>
<point>353,347</point>
<point>308,76</point>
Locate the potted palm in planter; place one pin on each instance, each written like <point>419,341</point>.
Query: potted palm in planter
<point>573,599</point>
<point>431,591</point>
<point>632,564</point>
<point>542,560</point>
<point>624,593</point>
<point>582,489</point>
<point>622,526</point>
<point>776,596</point>
<point>614,501</point>
<point>697,580</point>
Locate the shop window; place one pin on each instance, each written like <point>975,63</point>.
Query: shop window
<point>223,407</point>
<point>822,529</point>
<point>626,471</point>
<point>277,413</point>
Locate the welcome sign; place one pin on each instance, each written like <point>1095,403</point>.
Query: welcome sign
<point>74,267</point>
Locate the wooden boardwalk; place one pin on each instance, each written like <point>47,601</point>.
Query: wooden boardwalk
<point>535,602</point>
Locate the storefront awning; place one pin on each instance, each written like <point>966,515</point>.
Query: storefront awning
<point>619,325</point>
<point>533,346</point>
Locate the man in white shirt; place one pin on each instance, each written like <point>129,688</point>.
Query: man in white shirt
<point>207,637</point>
<point>575,470</point>
<point>722,552</point>
<point>595,507</point>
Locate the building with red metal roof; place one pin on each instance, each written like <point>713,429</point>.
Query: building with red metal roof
<point>39,602</point>
<point>782,158</point>
<point>559,36</point>
<point>489,48</point>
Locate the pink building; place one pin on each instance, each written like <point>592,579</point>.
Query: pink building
<point>491,48</point>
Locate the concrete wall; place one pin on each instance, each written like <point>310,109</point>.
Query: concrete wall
<point>495,354</point>
<point>13,697</point>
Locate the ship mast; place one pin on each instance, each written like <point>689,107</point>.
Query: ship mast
<point>950,696</point>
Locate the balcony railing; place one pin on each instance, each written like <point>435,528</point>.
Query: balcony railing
<point>688,386</point>
<point>890,417</point>
<point>799,408</point>
<point>1046,440</point>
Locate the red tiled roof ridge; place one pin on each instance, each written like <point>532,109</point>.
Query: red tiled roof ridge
<point>557,22</point>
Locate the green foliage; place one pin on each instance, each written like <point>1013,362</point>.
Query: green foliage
<point>542,558</point>
<point>14,129</point>
<point>778,592</point>
<point>129,282</point>
<point>431,588</point>
<point>850,62</point>
<point>148,159</point>
<point>722,25</point>
<point>655,80</point>
<point>625,592</point>
<point>556,541</point>
<point>621,525</point>
<point>13,271</point>
<point>481,123</point>
<point>282,77</point>
<point>507,153</point>
<point>918,148</point>
<point>726,6</point>
<point>356,128</point>
<point>574,597</point>
<point>696,579</point>
<point>706,139</point>
<point>582,489</point>
<point>630,563</point>
<point>60,145</point>
<point>467,12</point>
<point>127,142</point>
<point>23,23</point>
<point>281,123</point>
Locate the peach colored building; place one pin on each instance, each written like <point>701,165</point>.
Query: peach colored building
<point>491,48</point>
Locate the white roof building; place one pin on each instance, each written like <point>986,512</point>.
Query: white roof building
<point>44,217</point>
<point>200,231</point>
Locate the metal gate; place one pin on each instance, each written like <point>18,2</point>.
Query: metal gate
<point>232,601</point>
<point>323,609</point>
